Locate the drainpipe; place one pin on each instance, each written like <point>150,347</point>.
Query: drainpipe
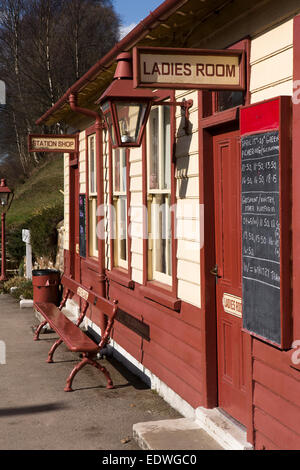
<point>99,159</point>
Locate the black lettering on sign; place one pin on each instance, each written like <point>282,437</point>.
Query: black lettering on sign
<point>261,235</point>
<point>82,225</point>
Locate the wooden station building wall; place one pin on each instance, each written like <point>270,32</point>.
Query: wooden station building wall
<point>181,350</point>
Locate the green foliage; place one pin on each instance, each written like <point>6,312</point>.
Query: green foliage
<point>43,231</point>
<point>42,188</point>
<point>23,286</point>
<point>37,206</point>
<point>15,246</point>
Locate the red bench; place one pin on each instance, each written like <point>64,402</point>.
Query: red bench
<point>70,334</point>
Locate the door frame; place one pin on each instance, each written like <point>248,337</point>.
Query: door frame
<point>221,122</point>
<point>74,222</point>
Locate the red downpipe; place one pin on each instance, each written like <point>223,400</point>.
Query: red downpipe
<point>99,159</point>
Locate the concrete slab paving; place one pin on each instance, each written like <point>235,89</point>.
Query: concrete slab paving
<point>36,414</point>
<point>175,434</point>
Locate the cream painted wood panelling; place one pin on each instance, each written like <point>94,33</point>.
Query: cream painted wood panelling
<point>271,63</point>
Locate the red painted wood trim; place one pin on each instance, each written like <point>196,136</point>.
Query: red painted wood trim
<point>161,298</point>
<point>74,156</point>
<point>110,201</point>
<point>145,205</point>
<point>223,117</point>
<point>296,188</point>
<point>87,183</point>
<point>260,117</point>
<point>207,260</point>
<point>129,256</point>
<point>173,194</point>
<point>120,276</point>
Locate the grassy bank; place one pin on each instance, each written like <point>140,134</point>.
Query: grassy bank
<point>41,190</point>
<point>37,206</point>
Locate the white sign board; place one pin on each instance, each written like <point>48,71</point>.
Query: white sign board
<point>26,236</point>
<point>2,93</point>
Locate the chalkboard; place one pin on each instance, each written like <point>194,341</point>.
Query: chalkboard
<point>261,234</point>
<point>82,225</point>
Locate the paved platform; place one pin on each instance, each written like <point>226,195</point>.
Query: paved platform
<point>174,434</point>
<point>36,414</point>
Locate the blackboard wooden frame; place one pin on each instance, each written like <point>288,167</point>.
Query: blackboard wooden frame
<point>275,115</point>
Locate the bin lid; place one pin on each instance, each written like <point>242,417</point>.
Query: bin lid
<point>44,272</point>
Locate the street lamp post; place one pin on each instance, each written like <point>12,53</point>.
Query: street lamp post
<point>6,197</point>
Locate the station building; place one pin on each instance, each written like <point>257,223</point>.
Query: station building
<point>197,231</point>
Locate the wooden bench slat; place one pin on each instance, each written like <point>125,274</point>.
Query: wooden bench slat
<point>72,336</point>
<point>101,303</point>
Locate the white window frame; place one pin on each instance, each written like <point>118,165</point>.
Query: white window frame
<point>155,197</point>
<point>119,198</point>
<point>92,164</point>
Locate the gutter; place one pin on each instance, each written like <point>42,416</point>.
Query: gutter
<point>168,7</point>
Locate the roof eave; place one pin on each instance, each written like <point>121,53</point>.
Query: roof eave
<point>143,28</point>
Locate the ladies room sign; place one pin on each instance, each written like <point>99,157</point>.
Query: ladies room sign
<point>156,67</point>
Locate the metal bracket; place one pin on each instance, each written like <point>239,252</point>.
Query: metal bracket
<point>184,104</point>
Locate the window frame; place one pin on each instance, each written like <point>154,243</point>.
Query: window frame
<point>92,196</point>
<point>119,196</point>
<point>245,45</point>
<point>119,274</point>
<point>156,289</point>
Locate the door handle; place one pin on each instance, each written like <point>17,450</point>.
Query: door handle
<point>214,271</point>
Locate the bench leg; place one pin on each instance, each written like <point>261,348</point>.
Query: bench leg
<point>38,330</point>
<point>52,350</point>
<point>87,360</point>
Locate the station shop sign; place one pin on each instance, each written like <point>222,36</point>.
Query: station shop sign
<point>52,143</point>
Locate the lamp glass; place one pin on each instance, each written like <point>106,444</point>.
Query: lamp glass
<point>130,118</point>
<point>4,199</point>
<point>107,113</point>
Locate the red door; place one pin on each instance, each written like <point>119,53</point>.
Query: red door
<point>231,341</point>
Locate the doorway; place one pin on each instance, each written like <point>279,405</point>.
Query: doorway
<point>231,340</point>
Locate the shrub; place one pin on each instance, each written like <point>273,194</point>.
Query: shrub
<point>15,246</point>
<point>43,231</point>
<point>23,286</point>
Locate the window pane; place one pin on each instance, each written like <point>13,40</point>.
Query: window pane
<point>161,223</point>
<point>92,175</point>
<point>167,149</point>
<point>123,228</point>
<point>124,179</point>
<point>119,171</point>
<point>116,170</point>
<point>110,127</point>
<point>154,151</point>
<point>93,248</point>
<point>229,99</point>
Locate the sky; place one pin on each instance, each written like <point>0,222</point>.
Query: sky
<point>131,12</point>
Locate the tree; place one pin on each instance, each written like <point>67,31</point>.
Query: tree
<point>45,46</point>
